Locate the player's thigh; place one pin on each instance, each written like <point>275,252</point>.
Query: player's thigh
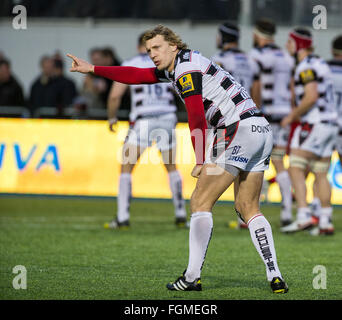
<point>280,135</point>
<point>303,153</point>
<point>169,157</point>
<point>130,155</point>
<point>212,182</point>
<point>278,164</point>
<point>162,131</point>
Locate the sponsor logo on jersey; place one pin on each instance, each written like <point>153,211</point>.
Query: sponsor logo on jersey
<point>238,159</point>
<point>261,129</point>
<point>186,83</point>
<point>307,76</point>
<point>186,56</point>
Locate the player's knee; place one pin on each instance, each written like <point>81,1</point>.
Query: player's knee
<point>278,154</point>
<point>170,167</point>
<point>298,162</point>
<point>127,168</point>
<point>319,166</point>
<point>200,203</point>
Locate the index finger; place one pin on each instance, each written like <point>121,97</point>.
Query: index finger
<point>71,56</point>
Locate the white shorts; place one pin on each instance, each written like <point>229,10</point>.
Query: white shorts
<point>280,135</point>
<point>246,144</point>
<point>319,138</point>
<point>339,142</point>
<point>160,129</point>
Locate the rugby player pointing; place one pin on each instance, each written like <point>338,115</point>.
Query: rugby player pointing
<point>214,101</point>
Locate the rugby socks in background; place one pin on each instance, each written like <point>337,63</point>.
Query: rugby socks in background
<point>325,217</point>
<point>124,196</point>
<point>176,186</point>
<point>284,182</point>
<point>316,207</point>
<point>261,234</point>
<point>201,227</point>
<point>303,214</point>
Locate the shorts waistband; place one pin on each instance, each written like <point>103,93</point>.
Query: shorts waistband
<point>153,115</point>
<point>271,119</point>
<point>244,116</point>
<point>331,122</point>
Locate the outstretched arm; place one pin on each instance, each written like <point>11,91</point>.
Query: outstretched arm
<point>127,75</point>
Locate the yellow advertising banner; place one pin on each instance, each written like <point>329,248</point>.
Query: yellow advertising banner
<point>81,157</point>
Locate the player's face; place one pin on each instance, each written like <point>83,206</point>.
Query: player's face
<point>161,52</point>
<point>255,41</point>
<point>218,41</point>
<point>291,46</point>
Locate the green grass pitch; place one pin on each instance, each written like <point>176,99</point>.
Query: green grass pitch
<point>69,255</point>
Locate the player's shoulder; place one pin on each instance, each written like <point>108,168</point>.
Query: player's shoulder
<point>266,52</point>
<point>255,53</point>
<point>217,56</point>
<point>189,61</point>
<point>313,62</point>
<point>312,68</point>
<point>334,63</point>
<point>224,57</point>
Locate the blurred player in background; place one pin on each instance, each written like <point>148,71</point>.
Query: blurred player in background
<point>211,95</point>
<point>232,59</point>
<point>240,66</point>
<point>275,68</point>
<point>152,109</point>
<point>314,139</point>
<point>336,68</point>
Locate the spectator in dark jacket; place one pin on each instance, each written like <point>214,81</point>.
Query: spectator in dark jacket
<point>64,89</point>
<point>40,94</point>
<point>52,88</point>
<point>11,93</point>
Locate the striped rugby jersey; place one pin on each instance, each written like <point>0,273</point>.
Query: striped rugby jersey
<point>314,68</point>
<point>275,70</point>
<point>336,69</point>
<point>239,65</point>
<point>149,99</point>
<point>224,99</point>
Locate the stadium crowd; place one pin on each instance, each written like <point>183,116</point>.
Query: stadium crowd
<point>54,94</point>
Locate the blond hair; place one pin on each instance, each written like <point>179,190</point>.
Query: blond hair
<point>169,36</point>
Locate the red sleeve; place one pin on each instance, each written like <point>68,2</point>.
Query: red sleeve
<point>128,75</point>
<point>197,124</point>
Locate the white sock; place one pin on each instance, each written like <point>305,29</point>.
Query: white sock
<point>124,196</point>
<point>261,234</point>
<point>303,213</point>
<point>325,216</point>
<point>284,182</point>
<point>201,226</point>
<point>316,207</point>
<point>175,181</point>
